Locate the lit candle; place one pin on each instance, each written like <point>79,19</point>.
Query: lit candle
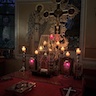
<point>78,51</point>
<point>40,48</point>
<point>31,61</point>
<point>45,54</point>
<point>62,48</point>
<point>67,53</point>
<point>44,43</point>
<point>50,50</point>
<point>36,52</point>
<point>66,65</point>
<point>23,48</point>
<point>24,58</point>
<point>57,43</point>
<point>51,36</point>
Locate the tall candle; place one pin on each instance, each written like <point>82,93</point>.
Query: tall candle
<point>24,58</point>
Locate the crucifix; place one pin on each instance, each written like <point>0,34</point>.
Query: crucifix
<point>59,12</point>
<point>69,90</point>
<point>70,12</point>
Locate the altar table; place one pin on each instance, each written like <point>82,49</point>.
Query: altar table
<point>44,86</point>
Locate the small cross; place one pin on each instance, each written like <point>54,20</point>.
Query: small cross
<point>69,90</point>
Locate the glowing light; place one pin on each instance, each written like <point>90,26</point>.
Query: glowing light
<point>45,54</point>
<point>51,36</point>
<point>78,51</point>
<point>57,43</point>
<point>62,48</point>
<point>36,52</point>
<point>40,48</point>
<point>44,43</point>
<point>50,50</point>
<point>23,48</point>
<point>67,53</point>
<point>31,61</point>
<point>66,64</point>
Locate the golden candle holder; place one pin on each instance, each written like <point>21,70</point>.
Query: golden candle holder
<point>23,68</point>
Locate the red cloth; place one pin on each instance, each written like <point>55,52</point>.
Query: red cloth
<point>44,86</point>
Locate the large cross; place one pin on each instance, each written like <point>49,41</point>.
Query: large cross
<point>59,12</point>
<point>70,12</point>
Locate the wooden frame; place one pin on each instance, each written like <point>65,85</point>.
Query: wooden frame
<point>87,35</point>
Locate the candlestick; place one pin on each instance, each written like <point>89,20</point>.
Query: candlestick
<point>23,58</point>
<point>78,52</point>
<point>78,66</point>
<point>36,53</point>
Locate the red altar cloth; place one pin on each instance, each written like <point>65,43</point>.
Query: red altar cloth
<point>44,86</point>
